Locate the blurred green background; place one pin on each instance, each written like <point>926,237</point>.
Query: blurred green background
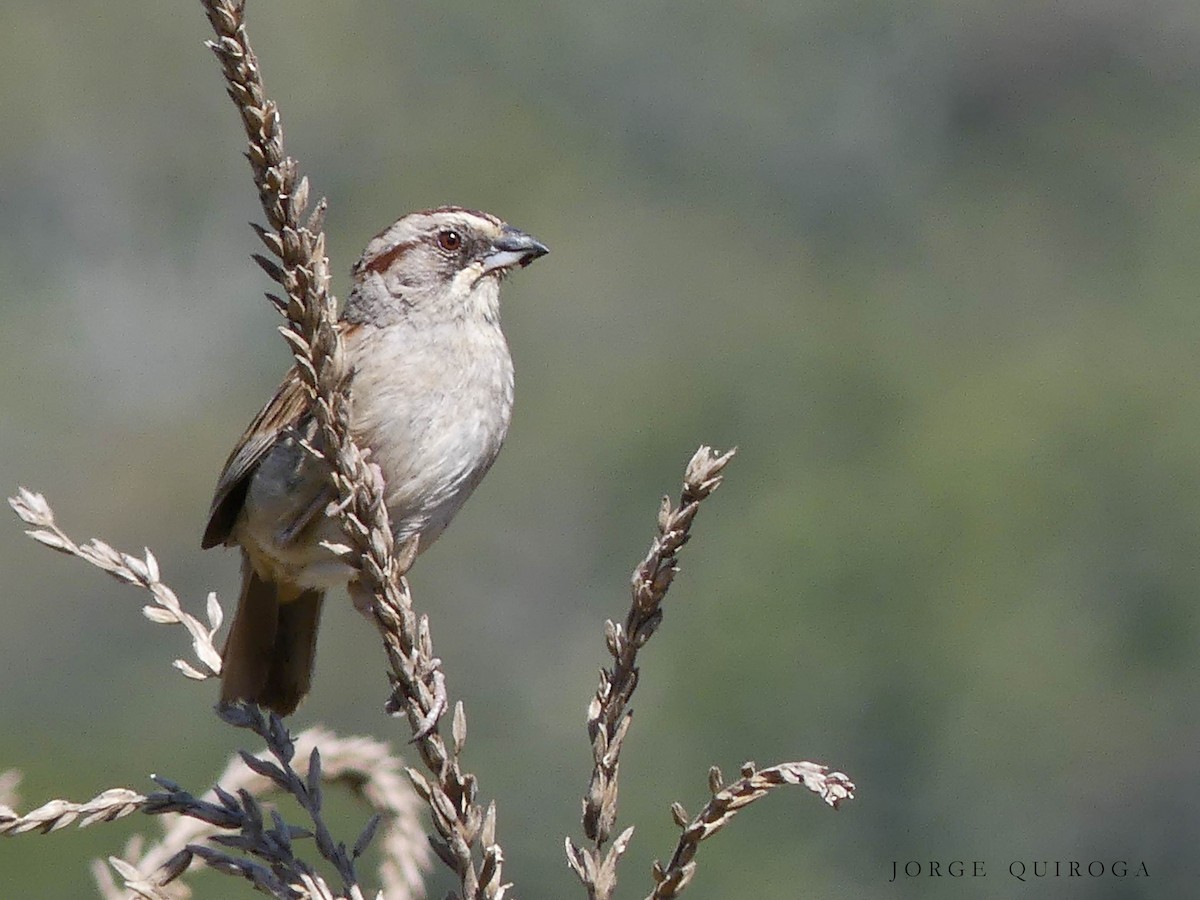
<point>932,266</point>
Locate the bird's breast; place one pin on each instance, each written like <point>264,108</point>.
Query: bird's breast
<point>433,408</point>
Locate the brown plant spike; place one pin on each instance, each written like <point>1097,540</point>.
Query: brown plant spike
<point>418,686</point>
<point>609,717</point>
<point>726,802</point>
<point>608,714</point>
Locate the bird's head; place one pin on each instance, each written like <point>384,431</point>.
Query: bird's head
<point>443,263</point>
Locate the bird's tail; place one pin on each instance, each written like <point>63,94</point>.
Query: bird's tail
<point>268,656</point>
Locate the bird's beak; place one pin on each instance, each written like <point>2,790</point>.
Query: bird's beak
<point>513,248</point>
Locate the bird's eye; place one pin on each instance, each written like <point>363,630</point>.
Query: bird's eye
<point>449,240</point>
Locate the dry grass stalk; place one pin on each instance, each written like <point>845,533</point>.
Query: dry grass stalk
<point>33,510</point>
<point>726,802</point>
<point>115,803</point>
<point>609,716</point>
<point>418,686</point>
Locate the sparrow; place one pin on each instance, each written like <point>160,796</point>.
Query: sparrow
<point>431,396</point>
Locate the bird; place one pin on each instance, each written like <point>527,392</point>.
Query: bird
<point>431,395</point>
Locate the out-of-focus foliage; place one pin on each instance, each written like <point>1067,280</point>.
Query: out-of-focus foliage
<point>932,266</point>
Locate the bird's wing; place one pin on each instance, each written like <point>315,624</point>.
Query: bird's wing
<point>284,412</point>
